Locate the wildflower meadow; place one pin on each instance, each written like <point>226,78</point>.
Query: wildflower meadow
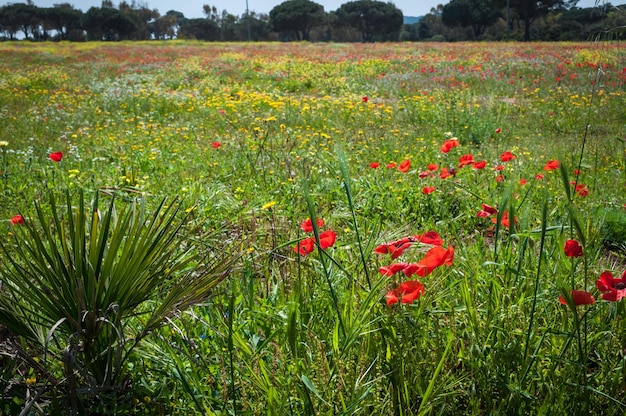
<point>313,229</point>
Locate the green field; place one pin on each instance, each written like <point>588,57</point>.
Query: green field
<point>464,201</point>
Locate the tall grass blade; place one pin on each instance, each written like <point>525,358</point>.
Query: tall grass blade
<point>544,225</point>
<point>343,167</point>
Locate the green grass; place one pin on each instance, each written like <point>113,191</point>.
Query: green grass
<point>255,138</point>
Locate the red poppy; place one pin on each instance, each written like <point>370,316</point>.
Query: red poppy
<point>539,176</point>
<point>491,210</point>
<point>504,221</point>
<point>429,237</point>
<point>404,166</point>
<point>374,165</point>
<point>479,165</point>
<point>483,214</point>
<point>391,165</point>
<point>507,156</point>
<point>615,288</point>
<point>499,178</point>
<point>398,250</point>
<point>432,167</point>
<point>304,247</point>
<point>551,165</point>
<point>216,145</point>
<point>307,225</point>
<point>444,173</point>
<point>582,190</point>
<point>573,249</point>
<point>56,156</point>
<point>406,292</point>
<point>466,159</point>
<point>428,190</point>
<point>424,174</point>
<point>435,257</point>
<point>499,168</point>
<point>364,99</point>
<point>449,145</point>
<point>580,297</point>
<point>498,130</point>
<point>392,269</point>
<point>395,248</point>
<point>522,181</point>
<point>327,239</point>
<point>17,219</point>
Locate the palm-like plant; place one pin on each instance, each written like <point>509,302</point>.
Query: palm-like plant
<point>85,286</point>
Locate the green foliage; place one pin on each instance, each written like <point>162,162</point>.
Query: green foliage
<point>374,20</point>
<point>107,23</point>
<point>477,14</point>
<point>258,137</point>
<point>82,286</point>
<point>200,29</point>
<point>613,229</point>
<point>298,17</point>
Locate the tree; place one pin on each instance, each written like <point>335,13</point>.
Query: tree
<point>528,11</point>
<point>20,17</point>
<point>142,16</point>
<point>477,14</point>
<point>201,29</point>
<point>297,17</point>
<point>64,18</point>
<point>253,27</point>
<point>166,26</point>
<point>9,21</point>
<point>109,24</point>
<point>375,20</point>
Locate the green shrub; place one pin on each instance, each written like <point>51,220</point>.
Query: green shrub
<point>613,230</point>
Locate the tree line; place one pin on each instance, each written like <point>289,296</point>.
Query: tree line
<point>354,21</point>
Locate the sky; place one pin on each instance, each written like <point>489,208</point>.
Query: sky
<point>193,8</point>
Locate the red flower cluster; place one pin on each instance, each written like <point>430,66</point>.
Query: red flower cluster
<point>487,211</point>
<point>306,246</point>
<point>582,190</point>
<point>613,290</point>
<point>216,145</point>
<point>396,248</point>
<point>435,257</point>
<point>307,225</point>
<point>504,221</point>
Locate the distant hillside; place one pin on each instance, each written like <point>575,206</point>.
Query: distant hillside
<point>409,20</point>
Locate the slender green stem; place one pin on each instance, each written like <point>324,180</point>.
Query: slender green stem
<point>343,165</point>
<point>544,221</point>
